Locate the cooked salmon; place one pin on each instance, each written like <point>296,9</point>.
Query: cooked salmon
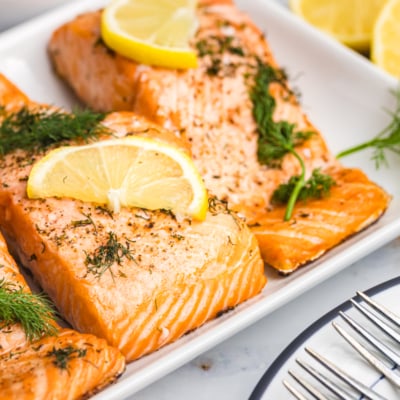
<point>211,107</point>
<point>67,365</point>
<point>172,274</point>
<point>319,224</point>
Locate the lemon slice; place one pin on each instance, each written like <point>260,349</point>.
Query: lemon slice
<point>155,32</point>
<point>385,50</point>
<point>349,21</point>
<point>132,171</point>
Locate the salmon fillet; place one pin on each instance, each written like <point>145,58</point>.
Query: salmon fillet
<point>211,108</point>
<point>179,273</point>
<point>35,370</point>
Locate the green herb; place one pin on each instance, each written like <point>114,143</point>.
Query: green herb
<point>215,47</point>
<point>37,129</point>
<point>108,254</point>
<point>81,222</point>
<point>168,212</point>
<point>387,140</point>
<point>317,186</point>
<point>66,354</point>
<point>32,311</point>
<point>217,206</point>
<point>203,48</point>
<point>275,139</point>
<point>215,67</point>
<point>178,236</point>
<point>105,210</point>
<point>84,222</point>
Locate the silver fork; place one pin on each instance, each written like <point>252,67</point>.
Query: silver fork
<point>382,318</point>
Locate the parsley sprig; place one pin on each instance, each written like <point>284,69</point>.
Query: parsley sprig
<point>36,129</point>
<point>276,139</point>
<point>32,311</point>
<point>387,140</point>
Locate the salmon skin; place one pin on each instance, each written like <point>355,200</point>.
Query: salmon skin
<point>179,273</point>
<point>211,108</point>
<point>66,366</point>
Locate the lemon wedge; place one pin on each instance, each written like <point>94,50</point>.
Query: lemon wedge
<point>349,21</point>
<point>385,50</point>
<point>132,171</point>
<point>155,32</point>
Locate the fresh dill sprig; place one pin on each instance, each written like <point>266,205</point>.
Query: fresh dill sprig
<point>387,140</point>
<point>63,355</point>
<point>276,139</point>
<point>317,186</point>
<point>36,129</point>
<point>32,311</point>
<point>107,254</point>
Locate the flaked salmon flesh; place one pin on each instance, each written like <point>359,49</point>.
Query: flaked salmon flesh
<point>210,107</point>
<point>179,273</point>
<point>29,370</point>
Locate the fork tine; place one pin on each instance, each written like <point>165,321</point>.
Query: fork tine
<point>379,307</point>
<point>328,383</point>
<point>373,340</point>
<point>293,390</point>
<point>377,321</point>
<point>375,362</point>
<point>354,383</point>
<point>306,385</point>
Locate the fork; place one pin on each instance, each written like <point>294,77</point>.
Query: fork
<point>383,319</point>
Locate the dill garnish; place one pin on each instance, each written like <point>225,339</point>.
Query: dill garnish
<point>66,354</point>
<point>84,222</point>
<point>317,186</point>
<point>215,67</point>
<point>32,311</point>
<point>387,139</point>
<point>36,129</point>
<point>167,212</point>
<point>108,254</point>
<point>276,139</point>
<point>218,206</point>
<point>218,45</point>
<point>214,47</point>
<point>81,222</point>
<point>105,210</point>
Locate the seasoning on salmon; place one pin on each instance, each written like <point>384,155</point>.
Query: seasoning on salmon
<point>139,278</point>
<point>212,107</point>
<point>61,365</point>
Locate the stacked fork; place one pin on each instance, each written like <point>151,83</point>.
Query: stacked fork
<point>385,361</point>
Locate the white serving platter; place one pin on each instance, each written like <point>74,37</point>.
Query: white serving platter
<point>344,95</point>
